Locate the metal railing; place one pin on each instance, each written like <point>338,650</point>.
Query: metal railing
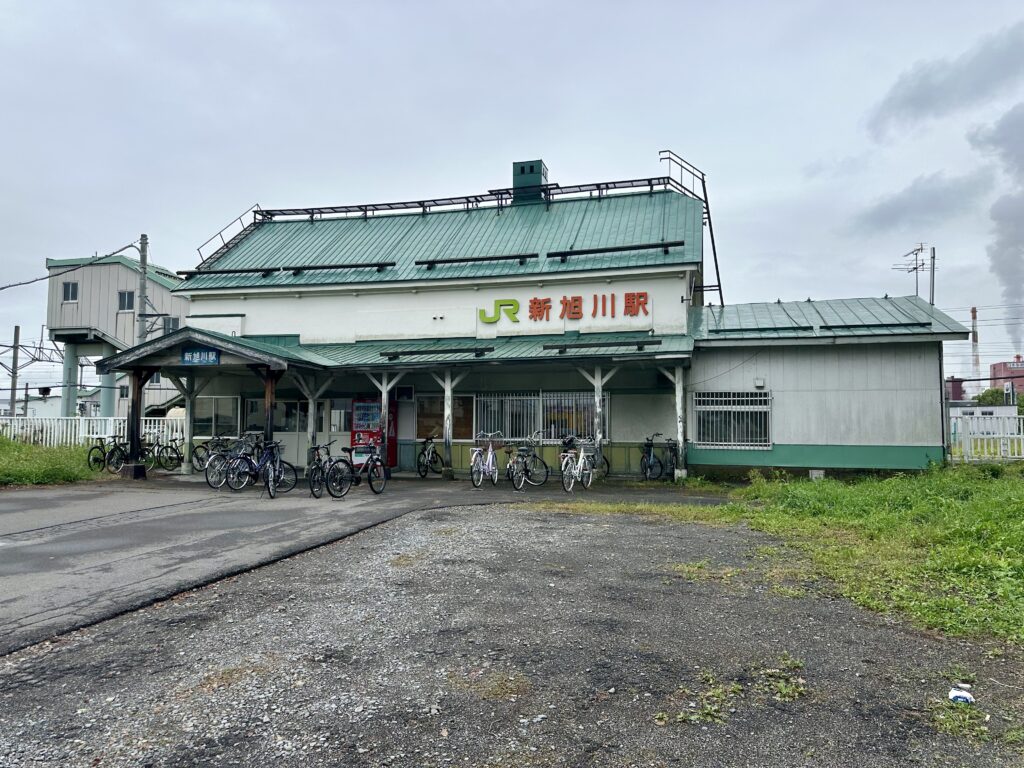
<point>733,420</point>
<point>62,430</point>
<point>517,415</point>
<point>986,438</point>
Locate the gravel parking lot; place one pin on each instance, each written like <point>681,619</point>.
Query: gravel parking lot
<point>499,636</point>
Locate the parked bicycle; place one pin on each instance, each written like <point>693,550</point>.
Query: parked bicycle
<point>343,474</point>
<point>97,456</point>
<point>515,467</point>
<point>576,463</point>
<point>535,469</point>
<point>429,460</point>
<point>650,465</point>
<point>117,454</point>
<point>243,469</point>
<point>482,462</point>
<point>316,472</point>
<point>169,454</point>
<point>671,458</point>
<point>202,452</point>
<point>216,469</point>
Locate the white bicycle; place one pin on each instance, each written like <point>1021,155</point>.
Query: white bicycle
<point>577,464</point>
<point>483,463</point>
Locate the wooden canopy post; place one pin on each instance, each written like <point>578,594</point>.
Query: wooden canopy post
<point>189,389</point>
<point>385,384</point>
<point>312,390</point>
<point>448,383</point>
<point>598,380</point>
<point>676,377</point>
<point>132,467</point>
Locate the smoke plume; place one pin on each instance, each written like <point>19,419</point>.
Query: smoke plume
<point>1005,139</point>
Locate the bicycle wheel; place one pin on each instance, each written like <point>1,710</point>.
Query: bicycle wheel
<point>422,464</point>
<point>494,471</point>
<point>519,474</point>
<point>339,478</point>
<point>148,459</point>
<point>536,470</point>
<point>270,480</point>
<point>568,475</point>
<point>200,457</point>
<point>286,477</point>
<point>316,481</point>
<point>602,468</point>
<point>238,473</point>
<point>168,458</point>
<point>436,464</point>
<point>476,471</point>
<point>216,470</point>
<point>587,472</point>
<point>97,458</point>
<point>377,476</point>
<point>115,459</point>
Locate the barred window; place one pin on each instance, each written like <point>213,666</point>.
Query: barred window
<point>518,415</point>
<point>733,419</point>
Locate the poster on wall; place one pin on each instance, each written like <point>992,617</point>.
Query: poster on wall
<point>366,429</point>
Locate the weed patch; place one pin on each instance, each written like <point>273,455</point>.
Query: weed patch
<point>24,464</point>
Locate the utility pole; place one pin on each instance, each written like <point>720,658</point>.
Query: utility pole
<point>931,293</point>
<point>24,407</point>
<point>140,308</point>
<point>14,370</point>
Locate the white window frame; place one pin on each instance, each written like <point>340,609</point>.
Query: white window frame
<point>168,320</point>
<point>726,434</point>
<point>64,292</point>
<point>119,302</point>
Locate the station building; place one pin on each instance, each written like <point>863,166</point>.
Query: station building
<point>594,309</point>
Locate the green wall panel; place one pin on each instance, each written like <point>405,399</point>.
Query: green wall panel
<point>820,456</point>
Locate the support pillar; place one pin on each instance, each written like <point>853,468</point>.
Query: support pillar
<point>598,380</point>
<point>312,391</point>
<point>385,384</point>
<point>448,384</point>
<point>676,377</point>
<point>69,390</point>
<point>189,389</point>
<point>132,467</point>
<point>108,388</point>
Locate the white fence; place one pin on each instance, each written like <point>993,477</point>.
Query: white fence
<point>987,438</point>
<point>60,430</point>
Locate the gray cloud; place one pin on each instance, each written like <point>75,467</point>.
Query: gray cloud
<point>926,201</point>
<point>939,87</point>
<point>1005,140</point>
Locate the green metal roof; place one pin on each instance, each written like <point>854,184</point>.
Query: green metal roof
<point>364,354</point>
<point>159,275</point>
<point>562,225</point>
<point>836,318</point>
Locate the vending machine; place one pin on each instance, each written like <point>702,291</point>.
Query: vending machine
<point>366,429</point>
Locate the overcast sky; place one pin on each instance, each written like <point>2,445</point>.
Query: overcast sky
<point>835,135</point>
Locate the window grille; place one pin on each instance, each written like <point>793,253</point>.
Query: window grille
<point>518,415</point>
<point>733,419</point>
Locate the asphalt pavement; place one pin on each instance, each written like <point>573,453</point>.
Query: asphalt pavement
<point>71,556</point>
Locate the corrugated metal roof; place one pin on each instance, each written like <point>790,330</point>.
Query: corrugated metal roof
<point>563,225</point>
<point>897,316</point>
<point>159,275</point>
<point>389,354</point>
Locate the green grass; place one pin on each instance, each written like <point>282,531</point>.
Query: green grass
<point>943,547</point>
<point>22,464</point>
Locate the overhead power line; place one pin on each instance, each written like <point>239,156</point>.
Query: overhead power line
<point>93,260</point>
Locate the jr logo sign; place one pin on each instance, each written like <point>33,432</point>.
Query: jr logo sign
<point>509,306</point>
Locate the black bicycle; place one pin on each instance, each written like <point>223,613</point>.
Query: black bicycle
<point>650,465</point>
<point>429,460</point>
<point>317,470</point>
<point>342,474</point>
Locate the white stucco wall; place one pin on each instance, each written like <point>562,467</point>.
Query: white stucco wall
<point>854,394</point>
<point>631,418</point>
<point>338,316</point>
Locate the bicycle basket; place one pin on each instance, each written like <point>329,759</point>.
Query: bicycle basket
<point>568,442</point>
